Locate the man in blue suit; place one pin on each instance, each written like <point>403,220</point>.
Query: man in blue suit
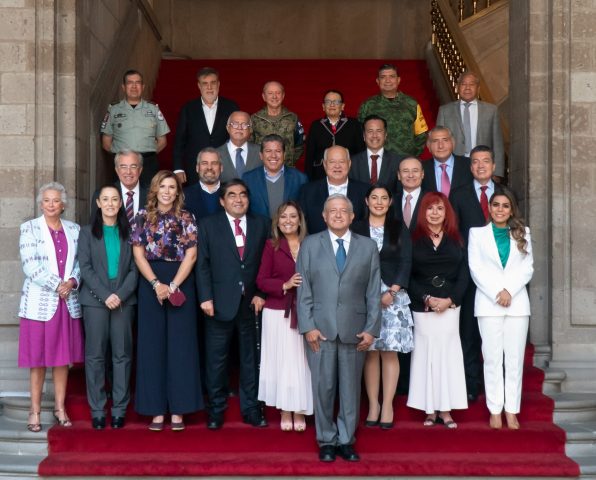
<point>202,199</point>
<point>273,183</point>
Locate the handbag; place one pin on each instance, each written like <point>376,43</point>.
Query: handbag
<point>177,298</point>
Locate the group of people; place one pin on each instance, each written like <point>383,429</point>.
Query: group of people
<point>323,278</point>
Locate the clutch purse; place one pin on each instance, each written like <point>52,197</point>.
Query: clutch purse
<point>177,298</point>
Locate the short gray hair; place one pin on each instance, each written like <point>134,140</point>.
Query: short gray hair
<point>208,150</point>
<point>52,186</point>
<point>339,196</point>
<point>126,153</point>
<point>335,146</point>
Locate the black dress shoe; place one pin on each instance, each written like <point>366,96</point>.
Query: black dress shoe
<point>256,419</point>
<point>118,422</point>
<point>347,453</point>
<point>214,422</point>
<point>99,423</point>
<point>327,453</point>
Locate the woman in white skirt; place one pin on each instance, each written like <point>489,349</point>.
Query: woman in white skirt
<point>284,380</point>
<point>437,285</point>
<point>501,265</point>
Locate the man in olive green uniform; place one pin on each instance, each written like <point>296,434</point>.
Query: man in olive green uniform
<point>135,124</point>
<point>274,118</point>
<point>406,127</point>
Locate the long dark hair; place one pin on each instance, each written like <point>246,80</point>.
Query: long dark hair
<point>392,225</point>
<point>121,219</point>
<point>517,226</point>
<point>449,224</point>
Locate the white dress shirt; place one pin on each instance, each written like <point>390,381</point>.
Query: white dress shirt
<point>489,191</point>
<point>415,195</point>
<point>379,160</point>
<point>232,150</point>
<point>347,237</point>
<point>333,189</point>
<point>233,224</point>
<point>135,197</point>
<point>210,112</point>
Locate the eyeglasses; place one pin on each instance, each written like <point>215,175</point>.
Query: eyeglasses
<point>333,102</point>
<point>132,168</point>
<point>241,126</point>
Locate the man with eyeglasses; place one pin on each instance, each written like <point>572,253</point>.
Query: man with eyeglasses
<point>135,124</point>
<point>202,123</point>
<point>406,126</point>
<point>333,129</point>
<point>238,155</point>
<point>274,117</point>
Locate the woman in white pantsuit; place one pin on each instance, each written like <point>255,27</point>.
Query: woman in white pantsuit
<point>501,265</point>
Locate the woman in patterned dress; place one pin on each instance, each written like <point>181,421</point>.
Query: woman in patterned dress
<point>395,250</point>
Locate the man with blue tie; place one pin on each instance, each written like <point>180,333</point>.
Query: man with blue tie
<point>446,172</point>
<point>339,313</point>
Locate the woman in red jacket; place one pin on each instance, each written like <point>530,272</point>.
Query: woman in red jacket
<point>284,380</point>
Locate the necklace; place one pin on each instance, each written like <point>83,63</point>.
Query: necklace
<point>436,235</point>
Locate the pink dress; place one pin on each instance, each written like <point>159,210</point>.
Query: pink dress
<point>59,341</point>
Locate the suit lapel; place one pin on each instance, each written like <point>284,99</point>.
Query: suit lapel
<point>384,173</point>
<point>458,117</point>
<point>328,248</point>
<point>229,236</point>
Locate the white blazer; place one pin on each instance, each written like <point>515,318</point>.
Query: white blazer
<point>490,277</point>
<point>39,298</point>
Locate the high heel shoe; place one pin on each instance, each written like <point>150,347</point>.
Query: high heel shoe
<point>285,423</point>
<point>299,423</point>
<point>34,427</point>
<point>64,421</point>
<point>512,422</point>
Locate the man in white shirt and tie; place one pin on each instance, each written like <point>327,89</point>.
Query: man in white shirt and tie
<point>238,155</point>
<point>473,122</point>
<point>410,175</point>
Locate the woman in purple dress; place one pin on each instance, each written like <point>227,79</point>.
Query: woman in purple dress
<point>51,334</point>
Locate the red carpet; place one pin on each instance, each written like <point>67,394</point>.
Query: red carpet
<point>409,449</point>
<point>305,81</point>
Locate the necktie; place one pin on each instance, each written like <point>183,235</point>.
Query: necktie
<point>467,128</point>
<point>240,167</point>
<point>334,128</point>
<point>238,232</point>
<point>484,201</point>
<point>408,210</point>
<point>129,207</point>
<point>340,255</point>
<point>445,183</point>
<point>373,169</point>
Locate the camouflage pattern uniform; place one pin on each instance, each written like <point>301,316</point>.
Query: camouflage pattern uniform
<point>406,127</point>
<point>286,125</point>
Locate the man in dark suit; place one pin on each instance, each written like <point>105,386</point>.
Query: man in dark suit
<point>409,191</point>
<point>336,162</point>
<point>129,166</point>
<point>202,199</point>
<point>339,313</point>
<point>273,183</point>
<point>202,123</point>
<point>470,203</point>
<point>238,155</point>
<point>446,172</point>
<point>231,243</point>
<point>375,164</point>
<point>482,125</point>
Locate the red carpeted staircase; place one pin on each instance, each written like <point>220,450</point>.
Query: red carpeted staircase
<point>237,449</point>
<point>305,82</point>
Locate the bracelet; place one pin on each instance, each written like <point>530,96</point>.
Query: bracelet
<point>173,286</point>
<point>154,283</point>
<point>425,298</point>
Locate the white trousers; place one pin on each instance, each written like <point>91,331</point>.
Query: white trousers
<point>503,336</point>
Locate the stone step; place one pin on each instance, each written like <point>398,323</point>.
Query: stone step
<point>587,466</point>
<point>17,408</point>
<point>15,439</point>
<point>581,438</point>
<point>19,466</point>
<point>553,379</point>
<point>574,407</point>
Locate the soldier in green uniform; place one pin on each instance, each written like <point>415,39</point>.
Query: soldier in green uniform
<point>135,124</point>
<point>274,118</point>
<point>406,127</point>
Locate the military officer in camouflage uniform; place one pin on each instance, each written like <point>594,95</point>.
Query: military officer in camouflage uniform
<point>274,118</point>
<point>406,127</point>
<point>135,124</point>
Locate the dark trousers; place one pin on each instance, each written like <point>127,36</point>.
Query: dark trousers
<point>168,375</point>
<point>471,342</point>
<point>108,330</point>
<point>218,339</point>
<point>150,168</point>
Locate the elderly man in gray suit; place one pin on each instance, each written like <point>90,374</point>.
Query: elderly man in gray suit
<point>238,155</point>
<point>473,122</point>
<point>339,313</point>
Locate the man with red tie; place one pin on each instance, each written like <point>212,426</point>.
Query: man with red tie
<point>470,203</point>
<point>232,242</point>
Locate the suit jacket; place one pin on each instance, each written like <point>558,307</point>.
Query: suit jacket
<point>192,134</point>
<point>256,182</point>
<point>93,261</point>
<point>388,174</point>
<point>461,175</point>
<point>277,267</point>
<point>467,208</point>
<point>222,276</point>
<point>320,137</point>
<point>491,277</point>
<point>488,130</point>
<point>395,257</point>
<point>253,160</point>
<point>142,199</point>
<point>339,304</point>
<point>312,198</point>
<point>397,207</point>
<point>39,298</point>
<point>195,204</point>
